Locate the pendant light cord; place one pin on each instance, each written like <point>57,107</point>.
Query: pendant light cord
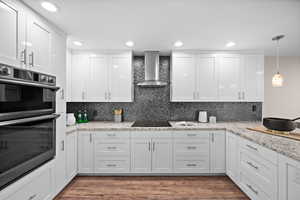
<point>277,56</point>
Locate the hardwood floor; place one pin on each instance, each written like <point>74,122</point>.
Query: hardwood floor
<point>152,188</point>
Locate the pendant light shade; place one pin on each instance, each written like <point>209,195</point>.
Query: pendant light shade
<point>277,80</point>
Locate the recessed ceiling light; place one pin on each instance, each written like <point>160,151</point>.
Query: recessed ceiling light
<point>129,43</point>
<point>49,6</point>
<point>178,44</point>
<point>77,43</point>
<point>230,44</point>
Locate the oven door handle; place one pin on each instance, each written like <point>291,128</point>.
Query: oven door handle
<point>30,119</point>
<point>17,82</point>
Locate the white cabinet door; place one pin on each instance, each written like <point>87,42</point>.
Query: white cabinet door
<point>39,44</point>
<point>80,72</point>
<point>96,82</point>
<point>183,77</point>
<point>85,152</point>
<point>232,156</point>
<point>289,178</point>
<point>60,157</point>
<point>162,152</point>
<point>71,155</point>
<point>12,33</point>
<point>229,78</point>
<point>120,78</point>
<point>141,155</point>
<point>58,68</point>
<point>253,78</point>
<point>207,78</point>
<point>68,76</point>
<point>218,152</point>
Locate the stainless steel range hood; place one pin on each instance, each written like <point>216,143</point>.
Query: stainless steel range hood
<point>152,71</point>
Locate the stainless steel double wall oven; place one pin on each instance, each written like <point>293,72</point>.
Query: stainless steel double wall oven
<point>27,121</point>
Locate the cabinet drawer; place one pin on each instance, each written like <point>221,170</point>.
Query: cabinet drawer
<point>107,165</point>
<point>192,165</point>
<point>259,150</point>
<point>111,134</point>
<point>37,189</point>
<point>112,147</point>
<point>248,185</point>
<point>191,147</point>
<point>263,172</point>
<point>151,134</point>
<point>201,135</point>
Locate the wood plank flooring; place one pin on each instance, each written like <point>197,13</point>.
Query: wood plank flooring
<point>152,188</point>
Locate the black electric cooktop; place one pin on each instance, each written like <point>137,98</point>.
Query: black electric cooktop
<point>151,124</point>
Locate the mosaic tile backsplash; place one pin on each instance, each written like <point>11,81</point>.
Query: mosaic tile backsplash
<point>154,103</point>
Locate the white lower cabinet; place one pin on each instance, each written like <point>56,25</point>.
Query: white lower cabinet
<point>232,156</point>
<point>151,152</point>
<point>71,155</point>
<point>85,152</point>
<point>218,152</point>
<point>289,178</point>
<point>111,152</point>
<point>141,155</point>
<point>191,152</point>
<point>38,185</point>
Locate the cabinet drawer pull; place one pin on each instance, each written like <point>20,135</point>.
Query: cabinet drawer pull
<point>32,197</point>
<point>24,56</point>
<point>111,148</point>
<point>252,189</point>
<point>191,135</point>
<point>31,59</point>
<point>252,165</point>
<point>191,165</point>
<point>251,147</point>
<point>191,147</point>
<point>111,135</point>
<point>111,165</point>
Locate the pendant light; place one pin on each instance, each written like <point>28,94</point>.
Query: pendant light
<point>277,80</point>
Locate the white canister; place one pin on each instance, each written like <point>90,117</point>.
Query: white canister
<point>212,119</point>
<point>202,117</point>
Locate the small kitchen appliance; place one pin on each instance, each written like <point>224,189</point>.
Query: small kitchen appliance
<point>202,117</point>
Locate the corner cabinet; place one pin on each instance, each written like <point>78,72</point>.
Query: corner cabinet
<point>200,77</point>
<point>232,156</point>
<point>101,77</point>
<point>85,152</point>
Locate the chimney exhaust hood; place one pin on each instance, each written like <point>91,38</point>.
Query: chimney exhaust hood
<point>152,70</point>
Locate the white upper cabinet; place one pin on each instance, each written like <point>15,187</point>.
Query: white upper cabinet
<point>253,76</point>
<point>217,77</point>
<point>229,78</point>
<point>38,44</point>
<point>120,78</point>
<point>207,79</point>
<point>183,77</point>
<point>96,83</point>
<point>79,74</point>
<point>12,34</point>
<point>101,77</point>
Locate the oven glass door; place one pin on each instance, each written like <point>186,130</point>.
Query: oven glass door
<point>19,101</point>
<point>24,145</point>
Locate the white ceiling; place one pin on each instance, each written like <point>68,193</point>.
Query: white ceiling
<point>200,24</point>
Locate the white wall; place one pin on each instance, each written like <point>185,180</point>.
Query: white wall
<point>285,101</point>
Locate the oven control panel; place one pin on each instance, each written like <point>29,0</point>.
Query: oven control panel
<point>9,72</point>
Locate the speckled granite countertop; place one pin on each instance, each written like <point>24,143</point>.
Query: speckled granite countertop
<point>285,146</point>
